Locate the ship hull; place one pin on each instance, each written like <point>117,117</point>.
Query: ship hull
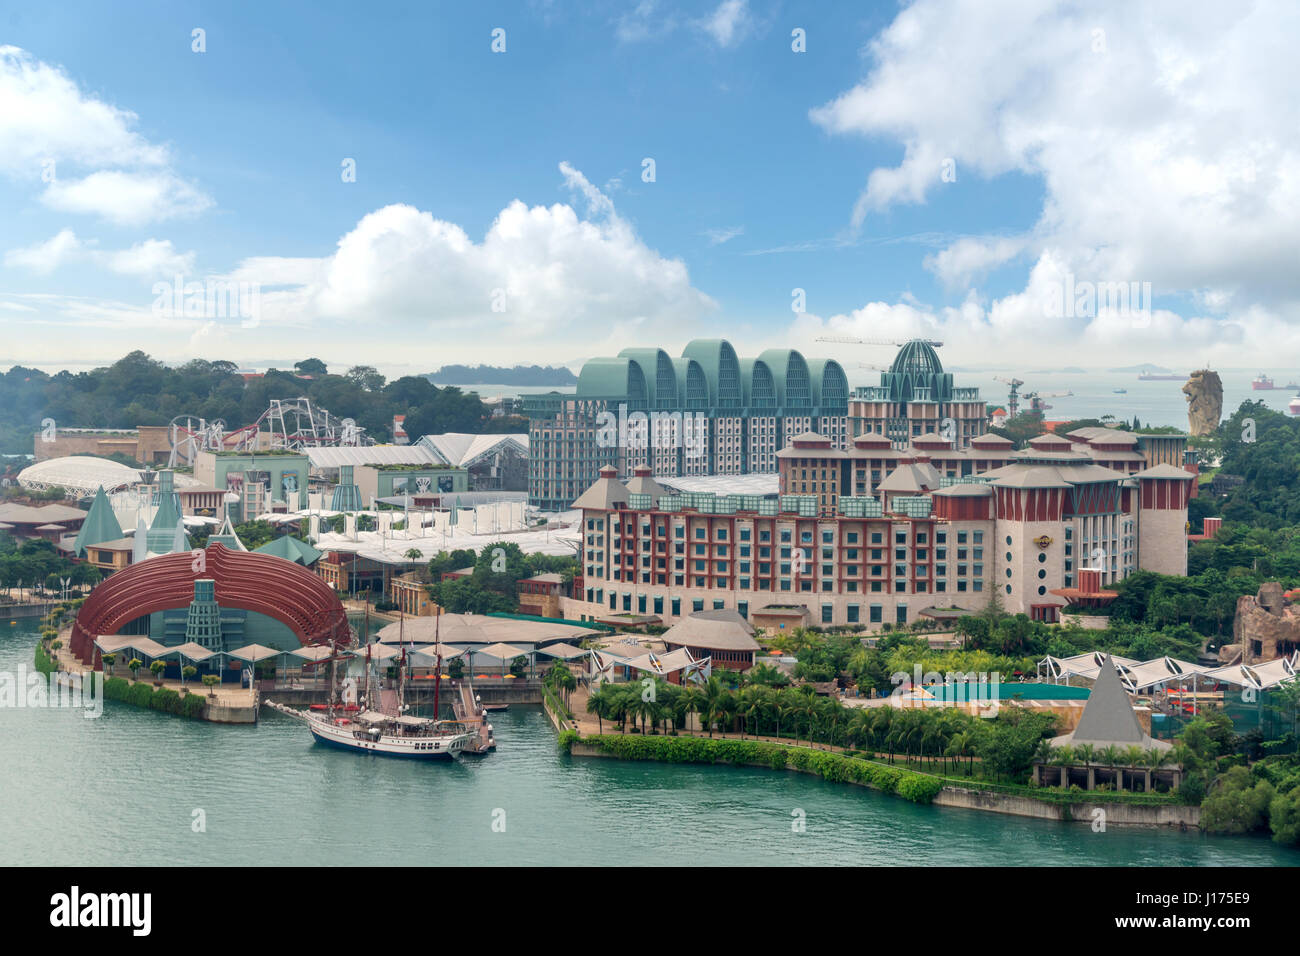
<point>384,749</point>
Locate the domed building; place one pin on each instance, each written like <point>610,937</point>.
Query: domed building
<point>80,475</point>
<point>917,397</point>
<point>219,599</point>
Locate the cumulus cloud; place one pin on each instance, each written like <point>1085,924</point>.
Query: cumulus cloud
<point>1166,135</point>
<point>42,258</point>
<point>86,151</point>
<point>542,278</point>
<point>147,259</point>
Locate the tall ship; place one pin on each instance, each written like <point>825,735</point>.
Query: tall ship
<point>372,729</point>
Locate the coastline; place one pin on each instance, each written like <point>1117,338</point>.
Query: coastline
<point>908,784</point>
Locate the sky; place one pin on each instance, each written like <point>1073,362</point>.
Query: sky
<point>408,185</point>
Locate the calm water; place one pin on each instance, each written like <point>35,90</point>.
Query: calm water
<point>122,789</point>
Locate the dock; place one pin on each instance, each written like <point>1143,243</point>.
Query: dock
<point>469,711</point>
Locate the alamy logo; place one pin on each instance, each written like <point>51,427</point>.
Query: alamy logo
<point>658,430</point>
<point>1073,299</point>
<point>25,688</point>
<point>210,299</point>
<point>75,909</point>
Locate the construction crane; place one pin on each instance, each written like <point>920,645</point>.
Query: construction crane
<point>854,340</point>
<point>1013,398</point>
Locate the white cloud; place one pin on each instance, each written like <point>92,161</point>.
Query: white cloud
<point>644,22</point>
<point>729,23</point>
<point>147,259</point>
<point>970,257</point>
<point>1166,137</point>
<point>43,258</point>
<point>717,237</point>
<point>84,149</point>
<point>150,258</point>
<point>127,198</point>
<point>565,284</point>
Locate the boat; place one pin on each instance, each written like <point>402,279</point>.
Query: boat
<point>1262,383</point>
<point>1120,391</point>
<point>1160,377</point>
<point>1293,407</point>
<point>372,731</point>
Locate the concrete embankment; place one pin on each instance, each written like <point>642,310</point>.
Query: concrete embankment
<point>1116,813</point>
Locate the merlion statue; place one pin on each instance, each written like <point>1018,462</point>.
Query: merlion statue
<point>1204,393</point>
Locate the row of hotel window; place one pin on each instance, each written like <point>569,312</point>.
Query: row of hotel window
<point>875,612</point>
<point>805,537</point>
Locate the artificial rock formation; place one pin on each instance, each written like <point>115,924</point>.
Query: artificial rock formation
<point>1267,626</point>
<point>1204,393</point>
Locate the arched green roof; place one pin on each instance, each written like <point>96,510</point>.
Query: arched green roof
<point>721,369</point>
<point>830,386</point>
<point>917,366</point>
<point>757,384</point>
<point>790,375</point>
<point>659,374</point>
<point>615,380</point>
<point>692,385</point>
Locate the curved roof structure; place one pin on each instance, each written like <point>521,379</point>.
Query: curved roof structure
<point>790,374</point>
<point>692,384</point>
<point>757,385</point>
<point>614,379</point>
<point>721,368</point>
<point>81,474</point>
<point>830,386</point>
<point>659,374</point>
<point>261,583</point>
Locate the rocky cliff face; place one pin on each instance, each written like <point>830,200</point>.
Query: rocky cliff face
<point>1204,392</point>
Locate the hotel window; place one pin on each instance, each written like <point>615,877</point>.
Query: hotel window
<point>875,614</point>
<point>961,537</point>
<point>677,606</point>
<point>827,613</point>
<point>900,537</point>
<point>977,537</point>
<point>697,604</point>
<point>875,537</point>
<point>785,536</point>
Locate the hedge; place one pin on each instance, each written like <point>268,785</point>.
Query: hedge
<point>163,699</point>
<point>835,767</point>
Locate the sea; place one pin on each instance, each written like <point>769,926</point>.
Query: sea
<point>135,787</point>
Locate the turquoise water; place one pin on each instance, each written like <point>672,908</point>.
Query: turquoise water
<point>123,788</point>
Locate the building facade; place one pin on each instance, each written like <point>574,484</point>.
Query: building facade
<point>872,534</point>
<point>708,412</point>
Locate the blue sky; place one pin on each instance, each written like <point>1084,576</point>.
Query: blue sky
<point>763,159</point>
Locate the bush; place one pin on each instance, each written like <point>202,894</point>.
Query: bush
<point>139,695</point>
<point>567,739</point>
<point>166,700</point>
<point>919,788</point>
<point>192,707</point>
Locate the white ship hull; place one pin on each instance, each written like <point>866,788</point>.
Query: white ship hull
<point>350,735</point>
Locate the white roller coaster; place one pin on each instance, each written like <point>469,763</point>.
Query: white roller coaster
<point>291,425</point>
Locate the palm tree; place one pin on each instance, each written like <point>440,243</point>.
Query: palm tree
<point>713,694</point>
<point>1110,758</point>
<point>1063,757</point>
<point>961,745</point>
<point>1132,757</point>
<point>1154,759</point>
<point>596,703</point>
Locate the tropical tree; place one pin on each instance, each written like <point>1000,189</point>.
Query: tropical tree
<point>210,681</point>
<point>596,703</point>
<point>134,667</point>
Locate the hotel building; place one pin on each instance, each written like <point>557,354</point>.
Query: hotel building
<point>870,533</point>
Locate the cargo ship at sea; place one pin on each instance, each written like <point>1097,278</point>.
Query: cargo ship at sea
<point>1160,377</point>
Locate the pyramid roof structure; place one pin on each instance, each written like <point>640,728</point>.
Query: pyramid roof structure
<point>1108,718</point>
<point>100,525</point>
<point>291,549</point>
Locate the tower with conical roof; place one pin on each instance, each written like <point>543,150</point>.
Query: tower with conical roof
<point>167,532</point>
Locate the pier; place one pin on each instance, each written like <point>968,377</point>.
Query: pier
<point>469,711</point>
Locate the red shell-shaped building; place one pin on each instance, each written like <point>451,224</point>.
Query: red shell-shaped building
<point>260,583</point>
